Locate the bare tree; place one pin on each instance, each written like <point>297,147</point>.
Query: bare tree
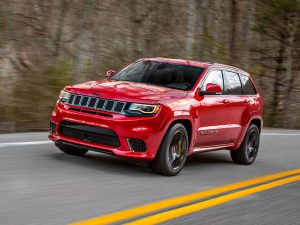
<point>191,26</point>
<point>233,31</point>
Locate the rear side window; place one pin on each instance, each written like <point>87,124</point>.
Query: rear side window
<point>233,84</point>
<point>214,77</point>
<point>248,87</point>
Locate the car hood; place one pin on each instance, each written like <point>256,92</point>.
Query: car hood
<point>126,91</point>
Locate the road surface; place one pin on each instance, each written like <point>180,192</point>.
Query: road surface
<point>41,185</point>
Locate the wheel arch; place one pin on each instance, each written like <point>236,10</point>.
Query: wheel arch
<point>187,124</point>
<point>256,120</point>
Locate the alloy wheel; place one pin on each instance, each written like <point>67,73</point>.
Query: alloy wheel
<point>252,145</point>
<point>177,150</point>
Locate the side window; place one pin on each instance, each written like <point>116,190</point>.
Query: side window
<point>233,84</point>
<point>214,77</point>
<point>248,87</point>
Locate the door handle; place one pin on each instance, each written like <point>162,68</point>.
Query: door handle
<point>225,101</point>
<point>247,100</point>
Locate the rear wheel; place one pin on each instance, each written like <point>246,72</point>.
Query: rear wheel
<point>247,152</point>
<point>72,151</point>
<point>173,151</point>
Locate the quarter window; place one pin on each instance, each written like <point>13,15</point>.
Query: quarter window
<point>214,77</point>
<point>248,87</point>
<point>233,84</point>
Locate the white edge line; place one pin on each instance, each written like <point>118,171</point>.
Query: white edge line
<point>280,134</point>
<point>24,143</point>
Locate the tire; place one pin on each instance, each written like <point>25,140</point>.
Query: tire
<point>72,151</point>
<point>247,152</point>
<point>172,152</point>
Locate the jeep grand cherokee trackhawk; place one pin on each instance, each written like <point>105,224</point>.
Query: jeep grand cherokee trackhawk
<point>161,110</point>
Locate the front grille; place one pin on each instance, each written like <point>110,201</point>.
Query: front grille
<point>90,112</point>
<point>89,134</point>
<point>136,145</point>
<point>96,103</point>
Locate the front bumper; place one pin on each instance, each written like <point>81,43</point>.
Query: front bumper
<point>148,129</point>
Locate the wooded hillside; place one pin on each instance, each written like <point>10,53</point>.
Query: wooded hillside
<point>47,44</point>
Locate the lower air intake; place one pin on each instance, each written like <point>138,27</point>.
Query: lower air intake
<point>136,145</point>
<point>90,134</point>
<point>52,127</point>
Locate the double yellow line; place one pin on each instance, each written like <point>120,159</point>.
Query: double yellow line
<point>277,179</point>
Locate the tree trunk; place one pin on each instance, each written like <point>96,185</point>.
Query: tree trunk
<point>191,28</point>
<point>134,24</point>
<point>233,32</point>
<point>82,42</point>
<point>59,31</point>
<point>247,33</point>
<point>276,104</point>
<point>292,27</point>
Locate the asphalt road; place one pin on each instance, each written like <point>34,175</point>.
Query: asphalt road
<point>41,185</point>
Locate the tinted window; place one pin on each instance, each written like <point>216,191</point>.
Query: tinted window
<point>214,77</point>
<point>133,72</point>
<point>248,87</point>
<point>232,84</point>
<point>160,73</point>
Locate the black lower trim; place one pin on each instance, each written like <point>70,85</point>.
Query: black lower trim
<point>88,128</point>
<point>52,127</point>
<point>91,134</point>
<point>72,145</point>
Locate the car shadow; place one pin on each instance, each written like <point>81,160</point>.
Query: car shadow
<point>214,157</point>
<point>209,161</point>
<point>104,163</point>
<point>113,164</point>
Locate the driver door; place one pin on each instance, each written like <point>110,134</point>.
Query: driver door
<point>212,113</point>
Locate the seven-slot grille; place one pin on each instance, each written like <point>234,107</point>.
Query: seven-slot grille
<point>96,103</point>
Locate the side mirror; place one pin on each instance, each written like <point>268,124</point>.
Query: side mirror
<point>211,89</point>
<point>109,73</point>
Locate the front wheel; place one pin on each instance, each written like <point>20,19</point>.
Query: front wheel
<point>247,152</point>
<point>173,151</point>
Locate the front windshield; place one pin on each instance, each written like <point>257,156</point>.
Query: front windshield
<point>160,73</point>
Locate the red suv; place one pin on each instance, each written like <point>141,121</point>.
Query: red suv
<point>161,110</point>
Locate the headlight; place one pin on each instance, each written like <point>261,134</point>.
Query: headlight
<point>64,97</point>
<point>142,109</point>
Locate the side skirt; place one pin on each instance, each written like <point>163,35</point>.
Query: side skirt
<point>212,148</point>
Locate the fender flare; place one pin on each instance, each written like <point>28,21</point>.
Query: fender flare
<point>244,130</point>
<point>192,131</point>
